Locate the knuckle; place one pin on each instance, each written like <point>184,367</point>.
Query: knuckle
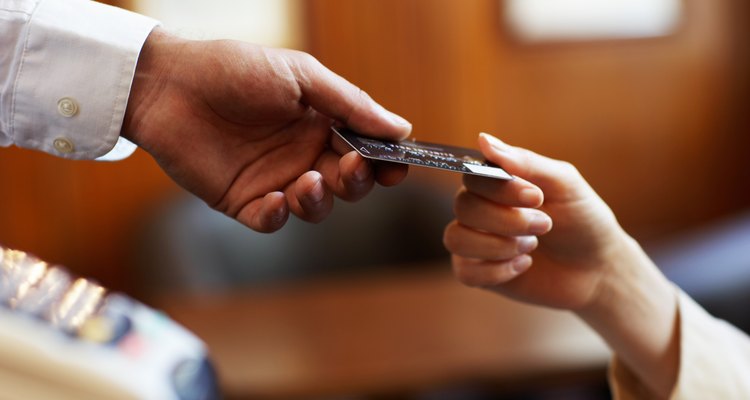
<point>363,99</point>
<point>304,57</point>
<point>503,248</point>
<point>500,252</point>
<point>571,176</point>
<point>363,95</point>
<point>464,275</point>
<point>569,169</point>
<point>460,207</point>
<point>450,237</point>
<point>500,276</point>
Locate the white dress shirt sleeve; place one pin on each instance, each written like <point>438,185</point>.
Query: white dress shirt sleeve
<point>66,67</point>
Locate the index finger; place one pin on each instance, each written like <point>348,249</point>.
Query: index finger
<point>516,193</point>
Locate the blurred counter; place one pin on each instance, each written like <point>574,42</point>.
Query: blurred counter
<point>397,333</point>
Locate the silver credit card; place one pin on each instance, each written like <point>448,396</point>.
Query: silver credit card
<point>451,158</point>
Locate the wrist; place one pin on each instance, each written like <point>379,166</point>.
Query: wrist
<point>626,270</point>
<point>155,62</point>
<point>635,312</point>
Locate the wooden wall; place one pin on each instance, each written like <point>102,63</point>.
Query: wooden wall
<point>81,214</point>
<point>647,121</point>
<point>656,125</point>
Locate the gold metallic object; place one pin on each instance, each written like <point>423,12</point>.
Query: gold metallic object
<point>32,286</point>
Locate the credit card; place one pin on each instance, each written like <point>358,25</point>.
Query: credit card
<point>432,155</point>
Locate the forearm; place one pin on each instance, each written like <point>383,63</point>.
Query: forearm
<point>636,313</point>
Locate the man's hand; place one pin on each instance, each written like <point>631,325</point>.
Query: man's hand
<point>247,128</point>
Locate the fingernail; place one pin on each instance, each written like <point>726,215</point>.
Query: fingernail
<point>362,172</point>
<point>520,264</point>
<point>539,223</point>
<point>530,197</point>
<point>496,143</point>
<point>526,244</point>
<point>278,217</point>
<point>318,191</point>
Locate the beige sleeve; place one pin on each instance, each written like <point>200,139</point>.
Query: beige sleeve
<point>714,360</point>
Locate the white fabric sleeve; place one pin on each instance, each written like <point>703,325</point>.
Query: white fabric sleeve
<point>714,360</point>
<point>65,74</point>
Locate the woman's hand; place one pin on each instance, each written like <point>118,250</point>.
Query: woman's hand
<point>498,222</point>
<point>583,260</point>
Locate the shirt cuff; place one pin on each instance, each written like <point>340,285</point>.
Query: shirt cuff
<point>74,79</point>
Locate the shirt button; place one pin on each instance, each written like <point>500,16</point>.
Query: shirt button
<point>67,107</point>
<point>63,145</point>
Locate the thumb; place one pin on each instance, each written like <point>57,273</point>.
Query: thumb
<point>556,178</point>
<point>335,97</point>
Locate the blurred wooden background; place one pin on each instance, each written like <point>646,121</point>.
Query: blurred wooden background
<point>653,124</point>
<point>658,126</point>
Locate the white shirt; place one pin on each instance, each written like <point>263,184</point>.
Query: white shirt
<point>66,67</point>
